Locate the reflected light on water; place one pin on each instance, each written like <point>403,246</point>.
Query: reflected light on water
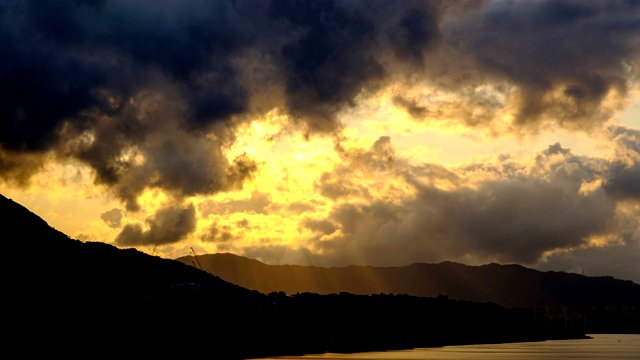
<point>599,347</point>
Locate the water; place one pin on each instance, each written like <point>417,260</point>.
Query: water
<point>600,347</point>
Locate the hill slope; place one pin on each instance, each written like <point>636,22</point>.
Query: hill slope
<point>47,264</point>
<point>507,285</point>
<point>73,298</point>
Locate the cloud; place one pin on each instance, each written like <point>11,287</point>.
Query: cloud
<point>506,221</point>
<point>298,208</point>
<point>503,211</point>
<point>64,59</point>
<point>618,260</point>
<point>617,256</point>
<point>82,72</point>
<point>518,221</point>
<point>99,81</point>
<point>324,227</point>
<point>564,57</point>
<point>624,181</point>
<point>113,217</point>
<point>147,147</point>
<point>17,169</point>
<point>257,204</point>
<point>411,106</point>
<point>326,59</point>
<point>219,234</point>
<point>339,183</point>
<point>167,226</point>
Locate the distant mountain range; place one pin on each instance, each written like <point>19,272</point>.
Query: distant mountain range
<point>507,285</point>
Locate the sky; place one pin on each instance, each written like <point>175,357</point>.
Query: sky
<point>330,133</point>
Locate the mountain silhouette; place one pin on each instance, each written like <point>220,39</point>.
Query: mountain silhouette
<point>65,297</point>
<point>507,285</point>
<point>80,298</point>
<point>48,263</point>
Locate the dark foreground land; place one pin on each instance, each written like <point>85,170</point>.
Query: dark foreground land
<point>196,321</point>
<point>64,297</point>
<point>196,314</point>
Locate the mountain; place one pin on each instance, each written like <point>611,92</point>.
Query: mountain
<point>507,285</point>
<point>68,297</point>
<point>65,297</point>
<point>47,264</point>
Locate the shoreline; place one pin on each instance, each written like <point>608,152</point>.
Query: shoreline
<point>423,345</point>
<point>604,346</point>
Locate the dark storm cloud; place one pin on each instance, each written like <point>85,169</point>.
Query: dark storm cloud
<point>148,93</point>
<point>327,60</point>
<point>168,225</point>
<point>147,147</point>
<point>57,55</point>
<point>39,84</point>
<point>77,77</point>
<point>75,74</point>
<point>113,217</point>
<point>330,52</point>
<point>563,56</point>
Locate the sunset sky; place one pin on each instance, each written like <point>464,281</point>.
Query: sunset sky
<point>330,133</point>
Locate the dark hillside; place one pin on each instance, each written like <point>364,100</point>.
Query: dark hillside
<point>71,297</point>
<point>64,297</point>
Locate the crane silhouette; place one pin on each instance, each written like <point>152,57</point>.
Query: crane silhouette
<point>199,266</point>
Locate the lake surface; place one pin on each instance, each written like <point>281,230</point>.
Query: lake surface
<point>600,347</point>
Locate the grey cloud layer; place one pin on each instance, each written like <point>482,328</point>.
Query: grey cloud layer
<point>79,62</point>
<point>515,213</point>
